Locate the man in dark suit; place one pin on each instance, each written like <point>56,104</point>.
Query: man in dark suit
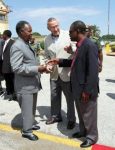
<point>1,77</point>
<point>84,82</point>
<point>6,66</point>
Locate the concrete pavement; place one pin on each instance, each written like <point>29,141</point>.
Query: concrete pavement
<point>13,141</point>
<point>10,111</point>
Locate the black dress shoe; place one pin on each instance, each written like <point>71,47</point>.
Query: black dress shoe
<point>53,120</point>
<point>1,92</point>
<point>14,97</point>
<point>10,96</point>
<point>87,143</point>
<point>78,135</point>
<point>70,125</point>
<point>31,137</point>
<point>35,127</point>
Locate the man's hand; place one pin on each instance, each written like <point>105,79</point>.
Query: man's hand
<point>45,68</point>
<point>42,68</point>
<point>49,68</point>
<point>99,68</point>
<point>68,49</point>
<point>85,96</point>
<point>53,61</point>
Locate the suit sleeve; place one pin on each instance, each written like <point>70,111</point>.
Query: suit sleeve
<point>18,66</point>
<point>65,62</point>
<point>91,69</point>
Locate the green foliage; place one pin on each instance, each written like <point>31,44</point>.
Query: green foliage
<point>42,44</point>
<point>96,30</point>
<point>113,46</point>
<point>36,34</point>
<point>108,37</point>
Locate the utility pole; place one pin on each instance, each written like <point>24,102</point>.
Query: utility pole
<point>108,15</point>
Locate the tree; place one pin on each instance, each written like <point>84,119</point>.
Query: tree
<point>36,34</point>
<point>108,37</point>
<point>96,30</point>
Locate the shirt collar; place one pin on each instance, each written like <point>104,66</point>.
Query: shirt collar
<point>78,44</point>
<point>7,40</point>
<point>54,37</point>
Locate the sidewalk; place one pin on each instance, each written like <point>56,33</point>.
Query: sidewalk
<point>10,111</point>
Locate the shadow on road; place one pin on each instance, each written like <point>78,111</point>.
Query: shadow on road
<point>62,127</point>
<point>44,113</point>
<point>17,122</point>
<point>111,95</point>
<point>110,80</point>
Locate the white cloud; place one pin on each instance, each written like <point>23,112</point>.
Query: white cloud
<point>44,12</point>
<point>38,17</point>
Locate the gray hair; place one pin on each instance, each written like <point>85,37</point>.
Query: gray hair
<point>51,19</point>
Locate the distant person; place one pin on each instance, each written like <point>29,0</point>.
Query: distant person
<point>27,77</point>
<point>1,76</point>
<point>35,45</point>
<point>90,34</point>
<point>59,78</point>
<point>6,65</point>
<point>84,82</point>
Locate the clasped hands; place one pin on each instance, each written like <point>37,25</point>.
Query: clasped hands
<point>48,67</point>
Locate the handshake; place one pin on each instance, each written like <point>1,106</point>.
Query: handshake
<point>48,67</point>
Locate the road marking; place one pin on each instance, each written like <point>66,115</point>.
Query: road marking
<point>52,138</point>
<point>102,147</point>
<point>56,139</point>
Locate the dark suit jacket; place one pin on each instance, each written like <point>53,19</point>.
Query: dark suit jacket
<point>84,72</point>
<point>6,66</point>
<point>1,50</point>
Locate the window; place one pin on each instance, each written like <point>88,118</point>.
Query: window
<point>2,17</point>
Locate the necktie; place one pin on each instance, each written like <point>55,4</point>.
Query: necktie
<point>31,49</point>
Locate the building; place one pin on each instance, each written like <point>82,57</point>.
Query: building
<point>4,10</point>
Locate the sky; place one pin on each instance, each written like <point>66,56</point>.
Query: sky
<point>36,12</point>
